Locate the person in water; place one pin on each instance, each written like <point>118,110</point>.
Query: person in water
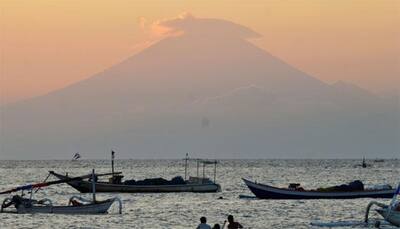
<point>203,224</point>
<point>216,226</point>
<point>232,224</point>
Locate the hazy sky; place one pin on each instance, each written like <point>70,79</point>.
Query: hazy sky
<point>48,44</point>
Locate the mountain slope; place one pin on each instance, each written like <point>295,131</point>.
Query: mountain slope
<point>153,102</point>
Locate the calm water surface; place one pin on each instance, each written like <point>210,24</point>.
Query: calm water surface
<point>182,210</point>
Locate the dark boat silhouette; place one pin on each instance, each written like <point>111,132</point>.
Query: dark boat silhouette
<point>264,191</point>
<point>191,185</point>
<point>177,184</point>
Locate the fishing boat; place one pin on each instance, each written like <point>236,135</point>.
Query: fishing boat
<point>264,191</point>
<point>378,160</point>
<point>363,164</point>
<point>80,206</point>
<point>157,185</point>
<point>391,212</point>
<point>76,204</point>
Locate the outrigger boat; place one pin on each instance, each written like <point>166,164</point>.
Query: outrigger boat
<point>264,191</point>
<point>178,184</point>
<point>76,204</point>
<point>390,214</point>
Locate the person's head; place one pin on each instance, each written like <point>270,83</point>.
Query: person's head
<point>230,218</point>
<point>203,220</point>
<point>216,226</point>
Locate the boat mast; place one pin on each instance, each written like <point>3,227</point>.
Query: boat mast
<point>93,187</point>
<point>112,163</point>
<point>215,171</point>
<point>186,161</point>
<point>198,165</point>
<point>204,171</point>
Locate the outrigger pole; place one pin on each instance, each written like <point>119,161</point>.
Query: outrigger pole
<point>44,184</point>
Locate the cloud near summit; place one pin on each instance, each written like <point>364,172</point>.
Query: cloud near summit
<point>188,24</point>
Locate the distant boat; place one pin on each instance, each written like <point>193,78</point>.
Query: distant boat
<point>177,184</point>
<point>379,160</point>
<point>363,164</point>
<point>264,191</point>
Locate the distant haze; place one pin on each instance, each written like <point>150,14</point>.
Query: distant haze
<point>204,89</point>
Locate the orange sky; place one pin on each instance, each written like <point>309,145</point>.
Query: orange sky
<point>48,44</point>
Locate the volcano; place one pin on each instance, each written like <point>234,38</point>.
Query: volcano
<point>206,89</point>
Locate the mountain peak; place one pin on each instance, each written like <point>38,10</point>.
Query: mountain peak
<point>147,103</point>
<point>189,25</point>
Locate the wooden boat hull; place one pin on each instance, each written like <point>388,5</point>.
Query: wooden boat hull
<point>86,187</point>
<point>393,217</point>
<point>263,191</point>
<point>97,208</point>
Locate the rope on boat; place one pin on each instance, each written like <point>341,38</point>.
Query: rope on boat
<point>48,175</point>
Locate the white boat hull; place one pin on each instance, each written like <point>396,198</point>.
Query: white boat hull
<point>97,208</point>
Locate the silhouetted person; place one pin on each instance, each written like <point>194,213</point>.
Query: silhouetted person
<point>203,224</point>
<point>232,224</point>
<point>216,226</point>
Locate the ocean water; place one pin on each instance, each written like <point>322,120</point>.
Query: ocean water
<point>183,210</point>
